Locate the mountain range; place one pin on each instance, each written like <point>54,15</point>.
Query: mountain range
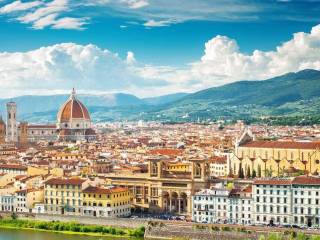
<point>290,95</point>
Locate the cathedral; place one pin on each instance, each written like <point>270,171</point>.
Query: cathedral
<point>73,124</point>
<point>73,120</point>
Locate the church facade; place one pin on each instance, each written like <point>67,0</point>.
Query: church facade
<point>275,158</point>
<point>73,124</point>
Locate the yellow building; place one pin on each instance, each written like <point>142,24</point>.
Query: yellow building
<point>164,190</point>
<point>34,196</point>
<point>178,167</point>
<point>63,196</point>
<point>275,158</point>
<point>108,201</point>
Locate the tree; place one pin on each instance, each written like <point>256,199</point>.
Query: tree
<point>254,173</point>
<point>248,173</point>
<point>259,171</point>
<point>240,172</point>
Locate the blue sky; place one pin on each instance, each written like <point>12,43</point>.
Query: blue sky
<point>166,38</point>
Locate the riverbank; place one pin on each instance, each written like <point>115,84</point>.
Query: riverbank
<point>73,228</point>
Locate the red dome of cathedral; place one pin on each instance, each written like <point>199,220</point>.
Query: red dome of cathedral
<point>73,109</point>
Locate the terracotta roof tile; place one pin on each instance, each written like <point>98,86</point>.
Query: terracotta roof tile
<point>283,145</point>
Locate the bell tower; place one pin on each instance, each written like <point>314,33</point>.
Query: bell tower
<point>2,131</point>
<point>23,138</point>
<point>12,128</point>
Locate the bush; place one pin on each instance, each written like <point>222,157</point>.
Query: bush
<point>226,229</point>
<point>215,228</point>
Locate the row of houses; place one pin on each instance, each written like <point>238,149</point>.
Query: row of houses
<point>270,201</point>
<point>70,196</point>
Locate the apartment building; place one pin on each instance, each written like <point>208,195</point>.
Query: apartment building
<point>108,201</point>
<point>292,201</point>
<point>211,205</point>
<point>63,196</point>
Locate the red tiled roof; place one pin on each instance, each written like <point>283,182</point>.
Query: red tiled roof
<point>272,181</point>
<point>65,181</point>
<point>99,190</point>
<point>278,144</point>
<point>165,151</point>
<point>306,180</point>
<point>13,166</point>
<point>219,160</point>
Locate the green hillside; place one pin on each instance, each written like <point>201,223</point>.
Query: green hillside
<point>290,95</point>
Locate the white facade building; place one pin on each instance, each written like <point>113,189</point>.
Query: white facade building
<point>211,205</point>
<point>293,201</point>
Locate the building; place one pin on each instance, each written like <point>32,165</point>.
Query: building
<point>7,202</point>
<point>63,196</point>
<point>219,166</point>
<point>20,203</point>
<point>163,189</point>
<point>2,131</point>
<point>211,205</point>
<point>275,158</point>
<point>23,134</point>
<point>293,201</point>
<point>222,205</point>
<point>240,206</point>
<point>106,201</point>
<point>12,127</point>
<point>38,132</point>
<point>73,120</point>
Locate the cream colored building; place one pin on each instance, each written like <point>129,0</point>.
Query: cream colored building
<point>163,189</point>
<point>275,158</point>
<point>63,196</point>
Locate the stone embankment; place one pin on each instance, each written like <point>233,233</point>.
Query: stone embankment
<point>188,232</point>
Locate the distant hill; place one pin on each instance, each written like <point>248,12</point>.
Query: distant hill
<point>164,99</point>
<point>28,105</point>
<point>293,95</point>
<point>272,92</point>
<point>35,108</point>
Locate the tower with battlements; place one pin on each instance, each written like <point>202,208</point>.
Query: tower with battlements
<point>11,126</point>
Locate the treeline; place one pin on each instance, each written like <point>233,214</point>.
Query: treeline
<point>72,227</point>
<point>303,120</point>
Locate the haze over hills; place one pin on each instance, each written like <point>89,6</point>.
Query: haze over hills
<point>31,107</point>
<point>292,94</point>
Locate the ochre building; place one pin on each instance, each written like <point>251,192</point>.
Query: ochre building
<point>275,158</point>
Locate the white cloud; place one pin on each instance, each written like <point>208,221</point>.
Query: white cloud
<point>63,66</point>
<point>160,23</point>
<point>19,6</point>
<point>45,14</point>
<point>223,58</point>
<point>223,62</point>
<point>135,4</point>
<point>130,58</point>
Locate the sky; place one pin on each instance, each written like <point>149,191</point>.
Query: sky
<point>152,47</point>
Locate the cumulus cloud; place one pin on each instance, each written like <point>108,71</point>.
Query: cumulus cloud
<point>223,62</point>
<point>63,66</point>
<point>223,57</point>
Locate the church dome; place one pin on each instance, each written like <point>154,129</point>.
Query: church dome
<point>73,109</point>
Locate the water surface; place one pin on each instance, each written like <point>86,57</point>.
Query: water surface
<point>14,234</point>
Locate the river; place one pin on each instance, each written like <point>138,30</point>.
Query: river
<point>14,234</point>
